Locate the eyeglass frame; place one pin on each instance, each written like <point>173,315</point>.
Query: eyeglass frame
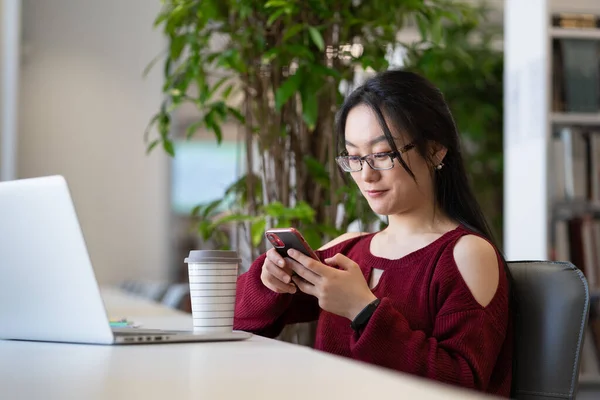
<point>390,154</point>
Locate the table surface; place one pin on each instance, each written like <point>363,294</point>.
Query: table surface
<point>255,368</point>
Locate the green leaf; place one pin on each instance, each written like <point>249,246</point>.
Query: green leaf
<point>236,114</point>
<point>152,145</point>
<point>167,68</point>
<point>436,30</point>
<point>219,108</point>
<point>317,171</point>
<point>231,59</point>
<point>232,218</point>
<point>177,45</point>
<point>151,65</point>
<point>210,122</point>
<point>313,237</point>
<point>217,85</point>
<point>257,231</point>
<point>310,107</point>
<point>161,17</point>
<point>227,92</point>
<point>422,25</point>
<point>316,37</point>
<point>206,229</point>
<point>326,71</point>
<point>210,207</point>
<point>270,55</point>
<point>292,31</point>
<point>303,211</point>
<point>152,122</point>
<point>168,147</point>
<point>275,209</point>
<point>283,223</point>
<point>196,210</point>
<point>274,16</point>
<point>218,133</point>
<point>299,51</point>
<point>245,11</point>
<point>164,125</point>
<point>276,3</point>
<point>287,90</point>
<point>191,130</point>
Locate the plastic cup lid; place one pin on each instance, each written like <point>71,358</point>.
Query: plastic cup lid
<point>213,256</point>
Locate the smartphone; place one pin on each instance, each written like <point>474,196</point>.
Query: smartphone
<point>284,239</point>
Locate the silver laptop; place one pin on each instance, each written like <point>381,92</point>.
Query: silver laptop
<point>48,290</point>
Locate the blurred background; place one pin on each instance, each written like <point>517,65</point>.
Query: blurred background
<point>154,129</point>
<point>76,102</point>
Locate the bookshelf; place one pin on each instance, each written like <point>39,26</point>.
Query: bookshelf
<point>574,33</point>
<point>552,144</point>
<point>575,119</point>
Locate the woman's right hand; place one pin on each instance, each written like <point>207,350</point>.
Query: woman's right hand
<point>276,274</point>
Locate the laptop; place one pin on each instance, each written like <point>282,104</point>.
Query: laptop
<point>48,289</point>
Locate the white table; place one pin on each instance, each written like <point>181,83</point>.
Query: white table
<point>257,368</point>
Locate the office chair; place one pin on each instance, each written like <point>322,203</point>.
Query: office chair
<point>552,306</point>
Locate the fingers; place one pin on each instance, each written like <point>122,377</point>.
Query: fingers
<point>281,262</point>
<point>305,286</point>
<point>277,272</point>
<point>275,284</point>
<point>340,261</point>
<point>275,277</point>
<point>309,263</point>
<point>303,272</point>
<point>275,258</point>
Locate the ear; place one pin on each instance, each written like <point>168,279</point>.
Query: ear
<point>437,152</point>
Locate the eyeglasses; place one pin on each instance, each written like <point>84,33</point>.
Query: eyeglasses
<point>377,161</point>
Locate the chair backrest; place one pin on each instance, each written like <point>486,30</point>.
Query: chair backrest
<point>552,306</point>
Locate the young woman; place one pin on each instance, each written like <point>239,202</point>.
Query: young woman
<point>429,294</point>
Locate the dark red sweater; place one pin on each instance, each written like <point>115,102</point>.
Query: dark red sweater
<point>427,323</point>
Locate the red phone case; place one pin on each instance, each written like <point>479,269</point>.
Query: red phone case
<point>284,239</point>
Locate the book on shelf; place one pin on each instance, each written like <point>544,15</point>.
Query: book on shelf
<point>571,167</point>
<point>576,20</point>
<point>576,75</point>
<point>575,172</point>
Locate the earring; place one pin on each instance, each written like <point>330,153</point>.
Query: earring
<point>439,166</point>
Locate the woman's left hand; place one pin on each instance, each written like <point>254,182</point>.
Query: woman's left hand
<point>342,291</point>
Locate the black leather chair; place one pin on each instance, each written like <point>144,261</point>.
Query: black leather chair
<point>552,306</point>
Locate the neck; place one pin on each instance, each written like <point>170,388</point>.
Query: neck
<point>425,219</point>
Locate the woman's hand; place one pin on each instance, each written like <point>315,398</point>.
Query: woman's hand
<point>342,291</point>
<point>277,274</point>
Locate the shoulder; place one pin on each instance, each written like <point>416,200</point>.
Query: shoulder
<point>477,262</point>
<point>342,238</point>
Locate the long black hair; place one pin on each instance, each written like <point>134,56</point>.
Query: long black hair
<point>414,106</point>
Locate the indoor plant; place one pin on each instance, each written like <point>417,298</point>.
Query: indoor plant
<point>292,61</point>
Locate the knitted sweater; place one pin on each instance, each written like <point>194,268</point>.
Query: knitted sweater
<point>427,323</point>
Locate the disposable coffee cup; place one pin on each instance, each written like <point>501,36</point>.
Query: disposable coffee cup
<point>212,279</point>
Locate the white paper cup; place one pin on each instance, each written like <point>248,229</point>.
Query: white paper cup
<point>206,266</point>
<point>212,286</point>
<point>212,280</point>
<point>214,307</point>
<point>211,314</point>
<point>195,293</point>
<point>220,323</point>
<point>213,300</point>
